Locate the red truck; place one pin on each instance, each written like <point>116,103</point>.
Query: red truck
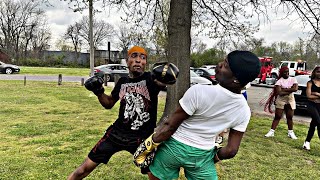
<point>266,67</point>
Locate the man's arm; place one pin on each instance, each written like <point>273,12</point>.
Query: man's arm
<point>294,88</point>
<point>286,91</point>
<point>231,149</point>
<point>143,155</point>
<point>170,126</point>
<point>95,84</point>
<point>106,101</point>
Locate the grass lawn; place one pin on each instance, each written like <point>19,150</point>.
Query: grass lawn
<point>47,130</point>
<point>55,71</point>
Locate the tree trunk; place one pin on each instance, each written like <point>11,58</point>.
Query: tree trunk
<point>179,27</point>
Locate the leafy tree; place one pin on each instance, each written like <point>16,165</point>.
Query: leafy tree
<point>209,56</point>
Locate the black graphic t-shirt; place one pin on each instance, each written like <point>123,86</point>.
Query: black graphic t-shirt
<point>138,108</point>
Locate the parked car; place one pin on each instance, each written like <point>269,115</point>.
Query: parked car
<point>8,68</point>
<point>210,74</point>
<point>209,66</point>
<point>110,70</point>
<point>300,95</point>
<point>196,79</point>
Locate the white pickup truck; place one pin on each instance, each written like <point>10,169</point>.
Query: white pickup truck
<point>295,68</point>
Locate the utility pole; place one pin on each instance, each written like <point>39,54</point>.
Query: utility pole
<point>91,38</point>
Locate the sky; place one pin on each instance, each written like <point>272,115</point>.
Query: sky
<point>60,16</point>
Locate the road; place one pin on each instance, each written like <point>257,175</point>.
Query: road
<point>255,93</point>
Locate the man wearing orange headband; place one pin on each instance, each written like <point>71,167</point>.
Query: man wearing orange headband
<point>138,96</point>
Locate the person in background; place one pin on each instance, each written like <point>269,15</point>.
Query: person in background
<point>313,94</point>
<point>244,91</point>
<point>282,97</point>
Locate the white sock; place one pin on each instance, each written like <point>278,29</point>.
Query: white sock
<point>290,131</point>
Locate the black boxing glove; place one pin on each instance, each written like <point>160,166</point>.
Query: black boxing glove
<point>94,84</point>
<point>165,72</point>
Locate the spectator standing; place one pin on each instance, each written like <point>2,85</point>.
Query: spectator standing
<point>282,97</point>
<point>313,94</point>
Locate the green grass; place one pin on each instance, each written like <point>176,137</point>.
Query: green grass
<point>47,130</point>
<point>55,71</point>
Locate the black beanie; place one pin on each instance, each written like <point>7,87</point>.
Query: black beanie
<point>244,65</point>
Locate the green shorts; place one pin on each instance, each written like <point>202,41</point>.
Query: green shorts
<point>171,155</point>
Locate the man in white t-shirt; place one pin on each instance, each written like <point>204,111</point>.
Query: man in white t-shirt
<point>188,136</point>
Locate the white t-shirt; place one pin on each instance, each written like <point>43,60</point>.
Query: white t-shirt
<point>212,109</point>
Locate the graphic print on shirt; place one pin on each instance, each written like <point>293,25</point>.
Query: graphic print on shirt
<point>136,96</point>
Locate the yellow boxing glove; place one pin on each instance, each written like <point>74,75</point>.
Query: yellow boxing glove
<point>145,153</point>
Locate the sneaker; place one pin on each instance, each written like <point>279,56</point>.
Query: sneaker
<point>292,135</point>
<point>219,139</point>
<point>306,145</point>
<point>270,133</point>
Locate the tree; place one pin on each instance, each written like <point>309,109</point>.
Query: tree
<point>73,34</point>
<point>128,36</point>
<point>220,15</point>
<point>308,11</point>
<point>209,56</point>
<point>20,21</point>
<point>80,5</point>
<point>40,40</point>
<point>179,42</point>
<point>102,31</point>
<point>197,46</point>
<point>222,19</point>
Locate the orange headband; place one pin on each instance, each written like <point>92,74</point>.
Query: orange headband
<point>137,49</point>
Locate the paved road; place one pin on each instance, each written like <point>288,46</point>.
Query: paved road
<point>255,92</point>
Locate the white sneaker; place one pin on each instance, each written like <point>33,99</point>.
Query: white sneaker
<point>292,135</point>
<point>270,133</point>
<point>306,145</point>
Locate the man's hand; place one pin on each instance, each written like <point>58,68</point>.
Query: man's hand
<point>94,84</point>
<point>145,153</point>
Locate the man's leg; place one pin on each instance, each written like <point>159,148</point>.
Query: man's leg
<point>100,153</point>
<point>84,170</point>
